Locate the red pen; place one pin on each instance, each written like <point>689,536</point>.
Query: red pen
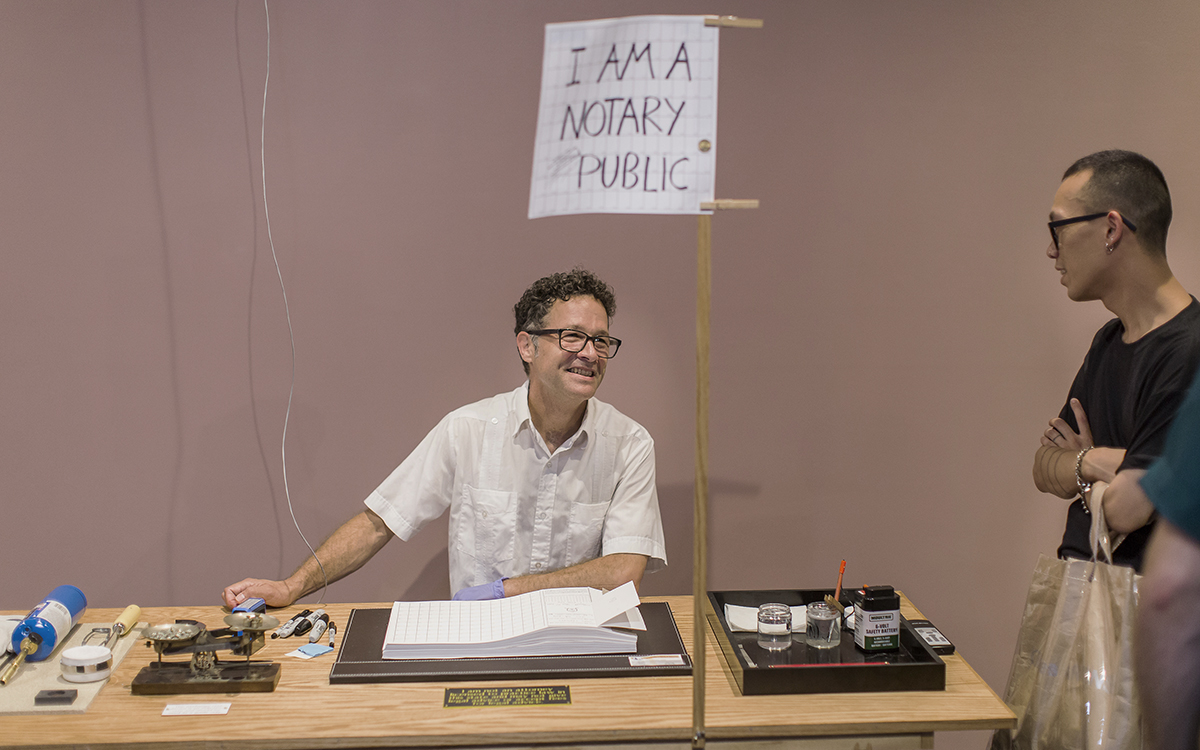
<point>837,592</point>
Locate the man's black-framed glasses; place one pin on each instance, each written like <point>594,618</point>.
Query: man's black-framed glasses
<point>1054,225</point>
<point>575,341</point>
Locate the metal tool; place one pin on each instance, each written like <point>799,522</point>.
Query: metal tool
<point>29,645</point>
<point>92,663</point>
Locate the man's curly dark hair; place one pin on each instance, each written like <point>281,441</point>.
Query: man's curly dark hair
<point>535,303</point>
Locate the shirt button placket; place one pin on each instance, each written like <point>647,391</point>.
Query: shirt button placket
<point>543,517</point>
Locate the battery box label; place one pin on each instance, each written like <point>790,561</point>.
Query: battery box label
<point>877,631</point>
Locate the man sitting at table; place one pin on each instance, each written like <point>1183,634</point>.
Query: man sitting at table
<point>546,485</point>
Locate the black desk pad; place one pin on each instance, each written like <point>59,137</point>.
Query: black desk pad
<point>360,658</point>
<point>804,669</point>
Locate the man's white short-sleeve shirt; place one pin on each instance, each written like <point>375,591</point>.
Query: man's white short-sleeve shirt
<point>517,509</point>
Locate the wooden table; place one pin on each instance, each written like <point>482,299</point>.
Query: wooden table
<point>305,711</point>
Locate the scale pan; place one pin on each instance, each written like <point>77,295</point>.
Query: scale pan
<point>251,621</point>
<point>175,631</point>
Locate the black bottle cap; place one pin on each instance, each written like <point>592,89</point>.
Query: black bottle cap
<point>880,598</point>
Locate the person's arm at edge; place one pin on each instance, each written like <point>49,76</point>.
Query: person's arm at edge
<point>607,572</point>
<point>346,550</point>
<point>1167,642</point>
<point>1126,507</point>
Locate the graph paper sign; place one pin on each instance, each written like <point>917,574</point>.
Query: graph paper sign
<point>626,103</point>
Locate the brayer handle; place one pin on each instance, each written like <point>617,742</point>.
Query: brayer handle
<point>123,623</point>
<point>128,619</point>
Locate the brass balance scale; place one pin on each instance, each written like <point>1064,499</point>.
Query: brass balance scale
<point>205,672</point>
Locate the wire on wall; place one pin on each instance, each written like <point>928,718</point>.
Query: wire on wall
<point>287,312</point>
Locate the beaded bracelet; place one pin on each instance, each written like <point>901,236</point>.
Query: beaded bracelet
<point>1083,486</point>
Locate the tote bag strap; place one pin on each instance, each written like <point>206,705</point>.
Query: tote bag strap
<point>1101,544</point>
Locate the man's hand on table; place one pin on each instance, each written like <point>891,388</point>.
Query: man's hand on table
<point>274,593</point>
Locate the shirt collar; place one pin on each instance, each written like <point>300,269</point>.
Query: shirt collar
<point>524,421</point>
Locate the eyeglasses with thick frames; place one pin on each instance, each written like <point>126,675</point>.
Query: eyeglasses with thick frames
<point>1054,225</point>
<point>574,341</point>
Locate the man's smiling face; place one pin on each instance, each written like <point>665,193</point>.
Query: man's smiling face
<point>558,374</point>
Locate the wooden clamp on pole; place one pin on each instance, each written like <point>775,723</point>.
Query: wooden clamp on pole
<point>733,22</point>
<point>729,203</point>
<point>700,543</point>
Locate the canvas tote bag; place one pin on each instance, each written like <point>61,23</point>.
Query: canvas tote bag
<point>1071,683</point>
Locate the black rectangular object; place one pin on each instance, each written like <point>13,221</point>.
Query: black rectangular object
<point>178,678</point>
<point>937,640</point>
<point>55,697</point>
<point>803,669</point>
<point>360,658</point>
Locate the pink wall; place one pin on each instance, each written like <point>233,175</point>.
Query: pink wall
<point>889,338</point>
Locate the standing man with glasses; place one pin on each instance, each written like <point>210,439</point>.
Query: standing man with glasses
<point>1108,241</point>
<point>546,485</point>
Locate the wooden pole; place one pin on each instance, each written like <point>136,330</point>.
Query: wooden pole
<point>700,543</point>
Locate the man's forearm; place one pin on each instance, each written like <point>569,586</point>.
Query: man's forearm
<point>1054,468</point>
<point>1167,645</point>
<point>1126,507</point>
<point>346,550</point>
<point>606,572</point>
<point>1054,471</point>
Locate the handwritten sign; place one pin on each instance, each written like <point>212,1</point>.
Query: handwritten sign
<point>628,117</point>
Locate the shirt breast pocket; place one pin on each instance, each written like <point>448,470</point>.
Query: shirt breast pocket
<point>488,527</point>
<point>587,529</point>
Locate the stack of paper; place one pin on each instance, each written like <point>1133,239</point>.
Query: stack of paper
<point>550,622</point>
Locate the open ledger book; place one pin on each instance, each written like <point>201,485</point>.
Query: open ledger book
<point>550,622</point>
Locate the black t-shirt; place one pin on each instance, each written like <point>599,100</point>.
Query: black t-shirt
<point>1130,393</point>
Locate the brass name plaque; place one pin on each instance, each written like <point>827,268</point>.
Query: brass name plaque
<point>552,695</point>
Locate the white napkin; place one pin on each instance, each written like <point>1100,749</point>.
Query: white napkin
<point>9,623</point>
<point>745,619</point>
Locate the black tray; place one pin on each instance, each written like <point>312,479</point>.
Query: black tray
<point>803,669</point>
<point>360,659</point>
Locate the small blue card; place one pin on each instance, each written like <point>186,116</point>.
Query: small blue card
<point>314,649</point>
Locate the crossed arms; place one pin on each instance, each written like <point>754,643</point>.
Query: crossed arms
<point>1126,508</point>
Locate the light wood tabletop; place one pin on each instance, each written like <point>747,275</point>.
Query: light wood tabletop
<point>305,711</point>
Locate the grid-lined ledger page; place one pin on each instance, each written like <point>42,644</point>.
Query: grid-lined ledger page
<point>492,620</point>
<point>551,621</point>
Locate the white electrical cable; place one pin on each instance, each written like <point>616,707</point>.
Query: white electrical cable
<point>291,390</point>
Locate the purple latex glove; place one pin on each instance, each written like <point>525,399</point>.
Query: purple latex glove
<point>482,592</point>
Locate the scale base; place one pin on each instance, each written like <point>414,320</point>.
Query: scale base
<point>166,678</point>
